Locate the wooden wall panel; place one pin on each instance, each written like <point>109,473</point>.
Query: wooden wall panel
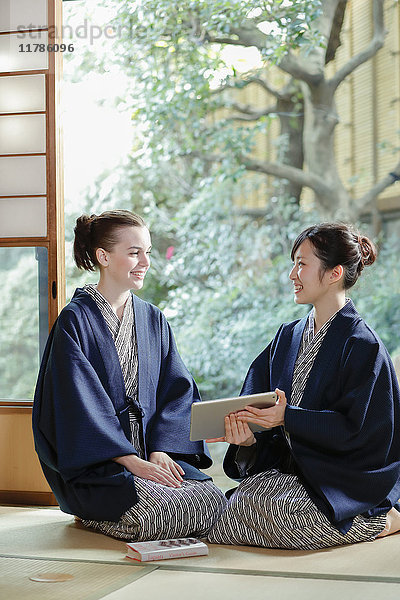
<point>21,477</point>
<point>344,146</point>
<point>387,68</point>
<point>363,86</point>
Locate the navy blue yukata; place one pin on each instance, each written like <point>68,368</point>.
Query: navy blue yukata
<point>81,416</point>
<point>345,435</point>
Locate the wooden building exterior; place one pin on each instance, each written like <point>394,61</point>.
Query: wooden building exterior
<point>367,137</point>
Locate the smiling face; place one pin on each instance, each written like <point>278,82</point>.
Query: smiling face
<point>311,283</point>
<point>126,265</point>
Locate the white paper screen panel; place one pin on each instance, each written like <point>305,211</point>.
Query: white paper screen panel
<point>23,217</point>
<point>12,59</point>
<point>22,175</point>
<point>22,93</point>
<point>22,14</point>
<point>23,134</point>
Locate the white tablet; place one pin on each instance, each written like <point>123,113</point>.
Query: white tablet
<point>207,419</point>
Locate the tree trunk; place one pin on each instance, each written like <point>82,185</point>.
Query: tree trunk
<point>319,152</point>
<point>292,125</point>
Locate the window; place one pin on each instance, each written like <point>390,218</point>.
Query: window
<point>31,202</point>
<point>23,318</point>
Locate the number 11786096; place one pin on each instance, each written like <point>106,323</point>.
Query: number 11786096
<point>46,47</point>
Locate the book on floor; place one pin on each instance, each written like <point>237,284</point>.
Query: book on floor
<point>161,549</point>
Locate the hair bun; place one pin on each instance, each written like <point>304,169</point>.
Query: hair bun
<point>82,242</point>
<point>84,222</point>
<point>367,251</point>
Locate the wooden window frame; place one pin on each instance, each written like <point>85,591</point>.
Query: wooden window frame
<point>22,480</point>
<point>54,239</point>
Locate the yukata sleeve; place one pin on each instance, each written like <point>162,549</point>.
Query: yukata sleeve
<point>74,412</point>
<point>245,459</point>
<point>362,414</point>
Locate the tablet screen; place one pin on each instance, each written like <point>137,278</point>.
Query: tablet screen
<point>207,418</point>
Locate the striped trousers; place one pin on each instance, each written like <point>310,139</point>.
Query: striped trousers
<point>273,510</point>
<point>164,512</point>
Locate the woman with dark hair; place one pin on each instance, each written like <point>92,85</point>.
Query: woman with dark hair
<point>325,470</point>
<point>112,404</point>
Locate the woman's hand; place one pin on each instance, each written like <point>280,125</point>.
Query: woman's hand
<point>236,432</point>
<point>163,460</point>
<point>149,470</point>
<point>266,417</point>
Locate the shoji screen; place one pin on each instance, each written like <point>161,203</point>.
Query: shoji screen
<point>31,225</point>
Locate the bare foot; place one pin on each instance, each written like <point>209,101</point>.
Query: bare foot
<point>392,523</point>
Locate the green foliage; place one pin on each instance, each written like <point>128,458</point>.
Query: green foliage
<point>151,21</point>
<point>176,70</point>
<point>377,295</point>
<point>19,323</point>
<point>226,288</point>
<point>232,290</point>
<point>231,285</point>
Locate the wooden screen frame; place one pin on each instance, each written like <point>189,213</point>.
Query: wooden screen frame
<point>16,415</point>
<point>54,240</point>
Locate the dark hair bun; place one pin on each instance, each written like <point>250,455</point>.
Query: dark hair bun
<point>82,243</point>
<point>367,251</point>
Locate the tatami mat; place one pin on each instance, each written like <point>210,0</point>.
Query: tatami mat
<point>90,581</point>
<point>370,561</point>
<point>173,585</point>
<point>48,533</point>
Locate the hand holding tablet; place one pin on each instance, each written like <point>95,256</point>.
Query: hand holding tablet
<point>237,431</point>
<point>208,418</point>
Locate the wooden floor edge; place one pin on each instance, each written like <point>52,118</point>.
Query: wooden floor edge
<point>27,498</point>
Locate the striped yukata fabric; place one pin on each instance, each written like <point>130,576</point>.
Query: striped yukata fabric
<point>124,336</point>
<point>309,347</point>
<point>273,509</point>
<point>162,512</point>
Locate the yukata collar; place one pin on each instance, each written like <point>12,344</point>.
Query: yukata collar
<point>309,330</point>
